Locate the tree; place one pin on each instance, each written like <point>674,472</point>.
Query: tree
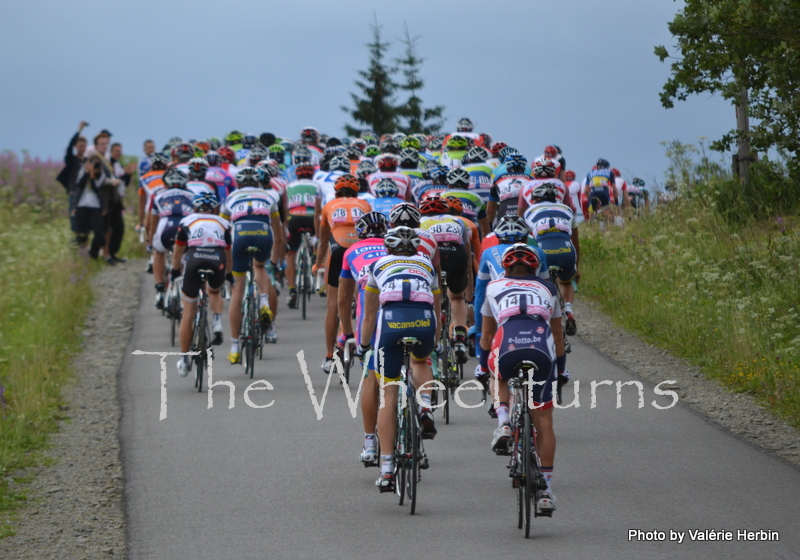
<point>739,49</point>
<point>415,118</point>
<point>375,109</point>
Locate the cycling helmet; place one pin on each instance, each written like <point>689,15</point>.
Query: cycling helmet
<point>464,125</point>
<point>435,144</point>
<point>516,163</point>
<point>545,191</point>
<point>247,177</point>
<point>402,240</point>
<point>507,151</point>
<point>277,153</point>
<point>333,141</point>
<point>369,137</point>
<point>458,178</point>
<point>339,163</point>
<point>409,158</point>
<point>497,147</point>
<point>205,202</point>
<point>637,182</point>
<point>365,168</point>
<point>301,153</point>
<point>372,151</point>
<point>455,204</point>
<point>616,172</point>
<point>201,147</point>
<point>405,214</point>
<point>174,140</point>
<point>373,224</point>
<point>550,152</point>
<point>410,142</point>
<point>602,164</point>
<point>287,144</point>
<point>487,140</point>
<point>267,169</point>
<point>197,168</point>
<point>511,229</point>
<point>352,153</point>
<point>233,137</point>
<point>421,138</point>
<point>309,135</point>
<point>249,141</point>
<point>389,144</point>
<point>439,175</point>
<point>570,175</point>
<point>305,170</point>
<point>476,155</point>
<point>266,139</point>
<point>256,154</point>
<point>434,205</point>
<point>520,253</point>
<point>457,143</point>
<point>323,139</point>
<point>174,178</point>
<point>387,162</point>
<point>331,151</point>
<point>544,168</point>
<point>359,144</point>
<point>346,184</point>
<point>427,167</point>
<point>387,188</point>
<point>183,151</point>
<point>227,154</point>
<point>159,161</point>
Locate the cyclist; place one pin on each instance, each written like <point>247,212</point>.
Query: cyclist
<point>234,140</point>
<point>455,148</point>
<point>402,299</point>
<point>337,166</point>
<point>386,198</point>
<point>169,205</point>
<point>256,223</point>
<point>310,138</point>
<point>504,194</point>
<point>408,215</point>
<point>207,241</point>
<point>409,163</point>
<point>249,142</point>
<point>578,204</point>
<point>387,167</point>
<point>455,258</point>
<point>638,193</point>
<point>599,185</point>
<point>223,180</point>
<point>480,172</point>
<point>150,182</point>
<point>553,225</point>
<point>522,321</point>
<point>336,234</point>
<point>458,181</point>
<point>545,170</point>
<point>182,152</point>
<point>197,168</point>
<point>621,189</point>
<point>301,199</point>
<point>371,230</point>
<point>436,185</point>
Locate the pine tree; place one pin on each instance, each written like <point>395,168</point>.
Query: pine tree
<point>415,118</point>
<point>375,109</point>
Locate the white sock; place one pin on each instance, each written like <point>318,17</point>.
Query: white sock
<point>235,347</point>
<point>369,441</point>
<point>426,401</point>
<point>264,301</point>
<point>502,414</point>
<point>548,477</point>
<point>387,464</point>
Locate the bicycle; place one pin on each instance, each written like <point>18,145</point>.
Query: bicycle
<point>250,338</point>
<point>348,357</point>
<point>409,452</point>
<point>174,309</point>
<point>304,279</point>
<point>201,338</point>
<point>450,371</point>
<point>554,270</point>
<point>525,466</point>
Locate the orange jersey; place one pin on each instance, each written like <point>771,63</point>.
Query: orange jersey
<point>341,215</point>
<point>149,182</point>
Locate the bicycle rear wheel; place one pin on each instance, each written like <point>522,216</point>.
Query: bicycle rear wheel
<point>400,460</point>
<point>528,472</point>
<point>413,452</point>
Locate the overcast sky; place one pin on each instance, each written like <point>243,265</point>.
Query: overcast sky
<point>578,73</point>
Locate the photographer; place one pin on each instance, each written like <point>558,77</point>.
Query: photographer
<point>93,186</point>
<point>114,223</point>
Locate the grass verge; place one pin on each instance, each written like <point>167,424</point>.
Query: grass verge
<point>724,297</point>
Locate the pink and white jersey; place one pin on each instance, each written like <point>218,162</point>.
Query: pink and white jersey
<point>403,182</point>
<point>525,193</point>
<point>204,230</point>
<point>428,245</point>
<point>251,204</point>
<point>508,297</point>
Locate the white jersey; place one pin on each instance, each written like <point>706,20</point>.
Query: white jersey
<point>620,186</point>
<point>204,230</point>
<point>550,218</point>
<point>400,278</point>
<point>575,190</point>
<point>200,187</point>
<point>325,180</point>
<point>403,182</point>
<point>508,297</point>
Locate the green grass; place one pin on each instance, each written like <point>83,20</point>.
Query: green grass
<point>46,296</point>
<point>725,297</point>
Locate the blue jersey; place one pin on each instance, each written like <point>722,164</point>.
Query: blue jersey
<point>144,165</point>
<point>600,179</point>
<point>384,205</point>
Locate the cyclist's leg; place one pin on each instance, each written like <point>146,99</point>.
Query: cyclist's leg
<point>291,269</point>
<point>333,269</point>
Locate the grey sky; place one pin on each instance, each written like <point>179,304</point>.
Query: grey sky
<point>579,73</point>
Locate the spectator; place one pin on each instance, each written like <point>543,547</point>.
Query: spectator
<point>144,163</point>
<point>73,159</point>
<point>92,180</point>
<point>115,225</point>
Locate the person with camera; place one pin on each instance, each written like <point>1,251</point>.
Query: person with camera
<point>93,180</point>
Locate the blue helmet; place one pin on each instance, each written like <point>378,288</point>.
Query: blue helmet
<point>516,163</point>
<point>205,201</point>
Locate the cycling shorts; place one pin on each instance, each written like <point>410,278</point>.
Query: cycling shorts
<point>250,234</point>
<point>166,231</point>
<point>334,267</point>
<point>601,196</point>
<point>397,320</point>
<point>453,261</point>
<point>561,253</point>
<point>525,338</point>
<point>296,225</point>
<point>202,258</point>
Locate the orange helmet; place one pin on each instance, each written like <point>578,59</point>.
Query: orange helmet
<point>455,204</point>
<point>434,205</point>
<point>347,182</point>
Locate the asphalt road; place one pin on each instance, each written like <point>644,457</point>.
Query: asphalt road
<point>277,482</point>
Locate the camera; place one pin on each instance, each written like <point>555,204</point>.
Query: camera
<point>97,166</point>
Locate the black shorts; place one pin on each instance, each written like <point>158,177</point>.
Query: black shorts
<point>599,197</point>
<point>335,264</point>
<point>296,226</point>
<point>453,261</point>
<point>203,258</point>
